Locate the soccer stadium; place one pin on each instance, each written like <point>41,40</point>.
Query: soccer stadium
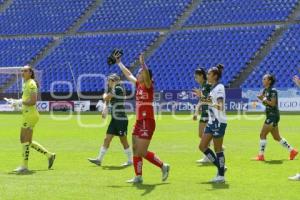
<point>150,99</point>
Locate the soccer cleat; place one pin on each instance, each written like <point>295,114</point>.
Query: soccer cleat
<point>136,180</point>
<point>21,170</point>
<point>165,171</point>
<point>51,161</point>
<point>127,164</point>
<point>259,158</point>
<point>95,161</point>
<point>295,178</point>
<point>293,154</point>
<point>218,179</point>
<point>203,160</point>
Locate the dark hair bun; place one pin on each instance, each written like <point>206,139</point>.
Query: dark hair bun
<point>220,67</point>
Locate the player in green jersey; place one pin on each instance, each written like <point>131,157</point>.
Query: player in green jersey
<point>202,93</point>
<point>269,98</point>
<point>119,122</point>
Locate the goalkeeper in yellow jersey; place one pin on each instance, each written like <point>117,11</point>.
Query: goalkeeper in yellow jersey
<point>30,118</point>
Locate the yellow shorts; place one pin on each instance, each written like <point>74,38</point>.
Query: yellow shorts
<point>30,118</point>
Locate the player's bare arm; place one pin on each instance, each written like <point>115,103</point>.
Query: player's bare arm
<point>197,108</point>
<point>145,72</point>
<point>125,71</point>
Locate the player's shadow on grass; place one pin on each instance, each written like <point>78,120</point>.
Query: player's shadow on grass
<point>275,162</point>
<point>216,186</point>
<point>114,167</point>
<point>148,188</point>
<point>31,172</point>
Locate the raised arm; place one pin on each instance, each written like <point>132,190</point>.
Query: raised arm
<point>145,72</point>
<point>125,71</point>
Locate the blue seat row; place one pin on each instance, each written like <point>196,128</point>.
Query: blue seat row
<point>135,14</point>
<point>283,61</point>
<point>174,62</point>
<point>240,11</point>
<point>41,16</point>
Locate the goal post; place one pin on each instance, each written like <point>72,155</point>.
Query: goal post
<point>11,82</point>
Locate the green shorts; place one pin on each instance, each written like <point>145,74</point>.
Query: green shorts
<point>117,127</point>
<point>272,120</point>
<point>204,117</point>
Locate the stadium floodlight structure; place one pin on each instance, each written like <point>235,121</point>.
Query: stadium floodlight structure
<point>11,82</point>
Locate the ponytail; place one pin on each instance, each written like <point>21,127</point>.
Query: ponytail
<point>218,70</point>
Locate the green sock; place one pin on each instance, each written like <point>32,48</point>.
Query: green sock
<point>40,149</point>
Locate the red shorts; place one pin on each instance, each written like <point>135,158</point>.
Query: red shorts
<point>144,128</point>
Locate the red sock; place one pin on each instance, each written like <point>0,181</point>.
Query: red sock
<point>151,157</point>
<point>138,165</point>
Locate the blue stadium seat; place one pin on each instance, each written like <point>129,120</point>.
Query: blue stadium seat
<point>174,62</point>
<point>41,16</point>
<point>84,55</point>
<point>135,14</point>
<point>240,11</point>
<point>282,61</point>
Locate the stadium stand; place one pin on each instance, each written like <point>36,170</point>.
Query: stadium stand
<point>240,11</point>
<point>41,16</point>
<point>135,14</point>
<point>173,61</point>
<point>18,52</point>
<point>88,55</point>
<point>282,61</point>
<point>184,51</point>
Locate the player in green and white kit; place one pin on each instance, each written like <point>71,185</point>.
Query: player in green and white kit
<point>202,93</point>
<point>119,122</point>
<point>269,98</point>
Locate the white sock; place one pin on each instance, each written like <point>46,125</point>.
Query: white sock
<point>128,152</point>
<point>285,144</point>
<point>102,153</point>
<point>262,146</point>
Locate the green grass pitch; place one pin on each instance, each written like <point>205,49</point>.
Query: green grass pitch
<point>176,142</point>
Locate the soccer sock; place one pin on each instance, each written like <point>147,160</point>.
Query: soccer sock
<point>102,153</point>
<point>221,159</point>
<point>262,146</point>
<point>128,153</point>
<point>212,157</point>
<point>151,157</point>
<point>25,153</point>
<point>285,144</point>
<point>138,165</point>
<point>40,149</point>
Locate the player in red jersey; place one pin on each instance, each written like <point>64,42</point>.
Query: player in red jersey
<point>145,123</point>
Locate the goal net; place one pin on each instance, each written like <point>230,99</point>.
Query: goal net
<point>11,82</point>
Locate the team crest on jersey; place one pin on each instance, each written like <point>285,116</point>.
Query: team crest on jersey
<point>145,133</point>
